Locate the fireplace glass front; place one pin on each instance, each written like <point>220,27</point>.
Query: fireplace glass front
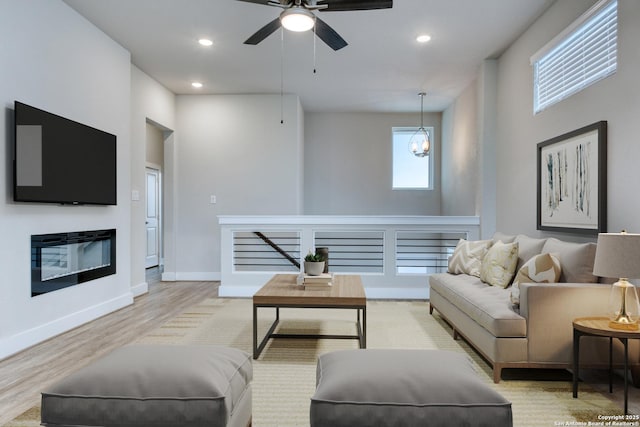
<point>66,259</point>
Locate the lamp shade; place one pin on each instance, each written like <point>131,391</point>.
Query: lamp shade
<point>617,255</point>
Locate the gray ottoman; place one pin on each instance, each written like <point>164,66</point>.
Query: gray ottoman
<point>403,388</point>
<point>155,385</point>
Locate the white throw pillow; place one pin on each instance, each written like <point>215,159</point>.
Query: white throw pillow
<point>467,257</point>
<point>543,268</point>
<point>499,265</point>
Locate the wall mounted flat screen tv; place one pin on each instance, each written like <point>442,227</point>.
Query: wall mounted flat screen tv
<point>57,160</point>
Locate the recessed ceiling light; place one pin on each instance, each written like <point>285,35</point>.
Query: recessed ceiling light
<point>423,38</point>
<point>197,85</point>
<point>205,42</point>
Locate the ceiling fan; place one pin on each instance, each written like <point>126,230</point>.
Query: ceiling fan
<point>298,16</point>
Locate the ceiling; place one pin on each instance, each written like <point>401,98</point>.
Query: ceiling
<point>382,69</point>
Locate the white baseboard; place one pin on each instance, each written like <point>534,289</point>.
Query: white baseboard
<point>195,276</point>
<point>238,291</point>
<point>168,277</point>
<point>16,343</point>
<point>396,293</point>
<point>140,289</point>
<point>198,276</point>
<point>371,292</point>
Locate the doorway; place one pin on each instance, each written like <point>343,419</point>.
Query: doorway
<point>156,136</point>
<point>152,220</point>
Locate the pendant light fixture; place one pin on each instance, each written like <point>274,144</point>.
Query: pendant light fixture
<point>419,144</point>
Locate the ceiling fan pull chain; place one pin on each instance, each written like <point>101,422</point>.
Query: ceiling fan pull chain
<point>281,75</point>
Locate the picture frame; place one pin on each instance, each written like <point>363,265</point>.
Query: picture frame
<point>572,181</point>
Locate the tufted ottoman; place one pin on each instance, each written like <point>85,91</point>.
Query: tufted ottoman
<point>378,387</point>
<point>145,385</point>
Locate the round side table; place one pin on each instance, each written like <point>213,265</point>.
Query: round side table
<point>599,327</point>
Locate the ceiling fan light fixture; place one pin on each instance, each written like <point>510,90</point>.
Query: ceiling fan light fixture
<point>297,19</point>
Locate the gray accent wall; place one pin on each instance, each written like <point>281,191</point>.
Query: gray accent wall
<point>469,151</point>
<point>348,170</point>
<point>615,99</point>
<point>460,154</point>
<point>491,128</point>
<point>233,147</point>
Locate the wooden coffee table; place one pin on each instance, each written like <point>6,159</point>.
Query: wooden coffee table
<point>282,291</point>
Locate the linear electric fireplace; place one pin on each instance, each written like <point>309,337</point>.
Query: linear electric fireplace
<point>66,259</point>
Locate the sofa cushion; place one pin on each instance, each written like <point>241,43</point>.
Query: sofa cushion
<point>576,260</point>
<point>488,305</point>
<point>528,247</point>
<point>504,238</point>
<point>188,385</point>
<point>499,264</point>
<point>542,268</point>
<point>467,257</point>
<point>404,387</point>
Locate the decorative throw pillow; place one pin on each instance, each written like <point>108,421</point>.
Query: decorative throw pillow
<point>499,264</point>
<point>528,247</point>
<point>543,268</point>
<point>576,259</point>
<point>467,257</point>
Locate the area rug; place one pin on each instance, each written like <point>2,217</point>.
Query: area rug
<point>285,373</point>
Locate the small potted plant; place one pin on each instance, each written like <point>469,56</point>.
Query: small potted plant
<point>313,264</point>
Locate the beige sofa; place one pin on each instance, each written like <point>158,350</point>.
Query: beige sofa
<point>538,333</point>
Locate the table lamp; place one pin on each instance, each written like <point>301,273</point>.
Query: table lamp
<point>618,256</point>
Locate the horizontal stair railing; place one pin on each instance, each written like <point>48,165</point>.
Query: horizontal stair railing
<point>394,255</point>
<point>277,248</point>
<point>353,251</point>
<point>257,251</point>
<point>424,252</point>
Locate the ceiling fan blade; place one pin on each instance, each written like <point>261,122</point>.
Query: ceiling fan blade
<point>329,35</point>
<point>265,2</point>
<point>264,32</point>
<point>346,5</point>
<point>278,3</point>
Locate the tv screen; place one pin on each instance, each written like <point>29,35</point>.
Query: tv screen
<point>58,160</point>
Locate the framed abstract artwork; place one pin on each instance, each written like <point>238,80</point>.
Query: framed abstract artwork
<point>572,181</point>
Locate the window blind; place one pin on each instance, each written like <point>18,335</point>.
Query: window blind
<point>577,58</point>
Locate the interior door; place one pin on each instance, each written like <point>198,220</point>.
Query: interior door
<point>153,217</point>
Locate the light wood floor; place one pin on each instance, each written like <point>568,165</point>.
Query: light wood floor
<point>24,375</point>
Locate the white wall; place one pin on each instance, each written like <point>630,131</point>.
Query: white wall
<point>615,99</point>
<point>469,151</point>
<point>233,147</point>
<point>149,101</point>
<point>460,154</point>
<point>55,60</point>
<point>487,134</point>
<point>348,165</point>
<point>154,141</point>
